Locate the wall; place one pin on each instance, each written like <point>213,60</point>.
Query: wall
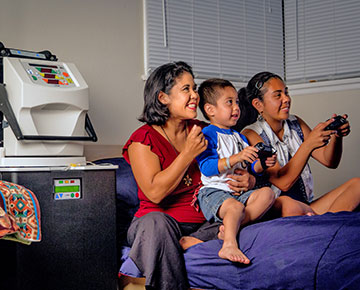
<point>105,41</point>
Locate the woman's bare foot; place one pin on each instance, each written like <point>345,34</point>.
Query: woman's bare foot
<point>309,211</point>
<point>233,254</point>
<point>187,241</point>
<point>221,232</point>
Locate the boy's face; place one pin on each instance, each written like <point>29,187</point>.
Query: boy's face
<point>226,112</point>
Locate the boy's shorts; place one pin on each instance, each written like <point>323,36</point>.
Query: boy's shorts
<point>210,199</point>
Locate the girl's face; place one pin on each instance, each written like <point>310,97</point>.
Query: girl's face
<point>276,101</point>
<point>226,112</point>
<point>183,98</point>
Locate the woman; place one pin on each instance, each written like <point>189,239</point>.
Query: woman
<point>162,157</point>
<point>266,102</point>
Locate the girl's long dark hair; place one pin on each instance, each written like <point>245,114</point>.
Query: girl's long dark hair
<point>254,89</point>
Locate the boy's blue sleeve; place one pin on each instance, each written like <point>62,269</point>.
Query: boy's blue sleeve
<point>208,160</point>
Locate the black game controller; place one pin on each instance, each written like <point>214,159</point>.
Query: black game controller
<point>265,151</point>
<point>336,124</point>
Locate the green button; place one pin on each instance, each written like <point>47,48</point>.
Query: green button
<point>61,181</point>
<point>72,195</point>
<point>34,78</point>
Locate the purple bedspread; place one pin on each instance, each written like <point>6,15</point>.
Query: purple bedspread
<point>319,252</point>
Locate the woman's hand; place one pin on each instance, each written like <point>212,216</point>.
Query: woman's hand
<point>241,180</point>
<point>195,142</point>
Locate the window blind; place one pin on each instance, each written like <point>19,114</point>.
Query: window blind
<point>322,40</point>
<point>232,39</point>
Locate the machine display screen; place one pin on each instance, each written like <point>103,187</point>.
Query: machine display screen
<point>67,189</point>
<point>49,75</point>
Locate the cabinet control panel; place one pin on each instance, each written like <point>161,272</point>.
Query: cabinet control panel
<point>67,189</point>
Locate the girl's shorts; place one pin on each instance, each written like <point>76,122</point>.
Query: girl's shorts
<point>210,199</point>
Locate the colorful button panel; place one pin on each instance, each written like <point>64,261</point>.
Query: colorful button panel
<point>67,189</point>
<point>49,75</point>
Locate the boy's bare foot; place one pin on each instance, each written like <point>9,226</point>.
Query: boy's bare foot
<point>187,241</point>
<point>233,254</point>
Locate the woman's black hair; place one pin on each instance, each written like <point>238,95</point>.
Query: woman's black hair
<point>254,89</point>
<point>162,79</point>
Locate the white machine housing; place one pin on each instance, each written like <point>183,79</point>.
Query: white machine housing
<point>48,98</point>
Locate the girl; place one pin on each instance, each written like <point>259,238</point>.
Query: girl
<point>266,104</point>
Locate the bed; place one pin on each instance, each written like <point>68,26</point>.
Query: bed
<point>318,252</point>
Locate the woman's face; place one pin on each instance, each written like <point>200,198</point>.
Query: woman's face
<point>183,98</point>
<point>276,101</point>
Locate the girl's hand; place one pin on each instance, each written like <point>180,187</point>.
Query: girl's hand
<point>270,161</point>
<point>318,137</point>
<point>195,142</point>
<point>344,130</point>
<point>248,154</point>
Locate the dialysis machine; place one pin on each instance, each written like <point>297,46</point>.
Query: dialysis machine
<point>44,105</point>
<point>44,122</point>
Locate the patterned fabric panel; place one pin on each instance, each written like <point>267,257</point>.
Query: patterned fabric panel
<point>19,214</point>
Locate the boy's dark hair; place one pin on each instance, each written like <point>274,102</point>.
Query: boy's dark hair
<point>254,89</point>
<point>208,92</point>
<point>162,79</point>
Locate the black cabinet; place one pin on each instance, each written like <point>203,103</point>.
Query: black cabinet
<point>78,246</point>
